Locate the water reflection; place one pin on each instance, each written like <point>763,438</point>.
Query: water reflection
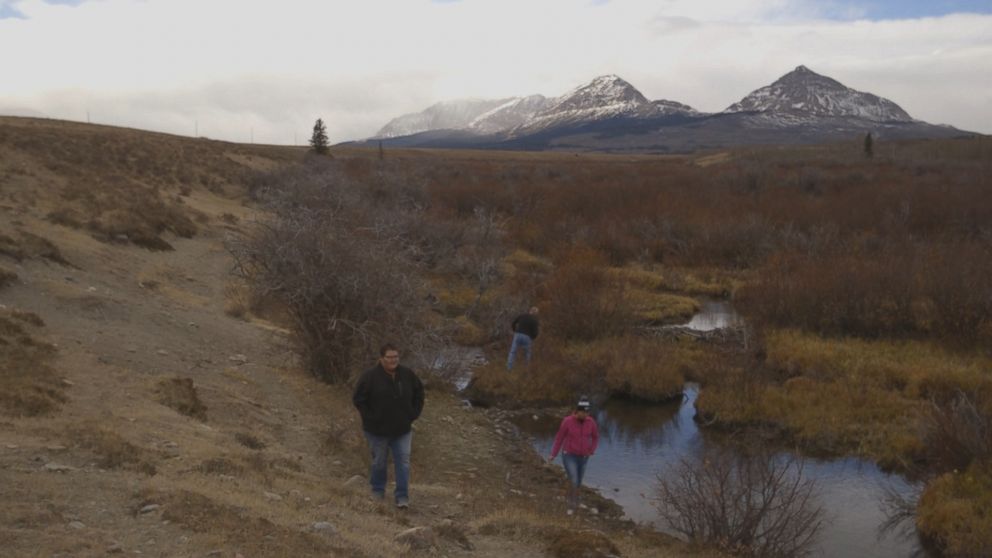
<point>713,314</point>
<point>640,441</point>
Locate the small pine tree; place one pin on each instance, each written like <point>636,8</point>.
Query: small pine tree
<point>869,148</point>
<point>318,141</point>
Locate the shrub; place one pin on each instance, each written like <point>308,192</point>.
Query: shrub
<point>584,301</point>
<point>344,273</point>
<point>746,504</point>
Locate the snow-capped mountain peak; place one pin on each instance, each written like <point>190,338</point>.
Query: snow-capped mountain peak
<point>803,94</point>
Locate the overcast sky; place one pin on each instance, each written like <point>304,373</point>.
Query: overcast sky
<point>245,70</point>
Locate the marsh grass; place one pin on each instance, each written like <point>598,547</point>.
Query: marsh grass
<point>629,366</point>
<point>955,510</point>
<point>844,395</point>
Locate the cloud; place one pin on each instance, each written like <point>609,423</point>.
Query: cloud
<point>234,66</point>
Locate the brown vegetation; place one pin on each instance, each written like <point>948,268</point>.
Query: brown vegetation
<point>747,504</point>
<point>29,386</point>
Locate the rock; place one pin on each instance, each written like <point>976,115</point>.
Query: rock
<point>55,448</point>
<point>11,446</point>
<point>115,548</point>
<point>419,538</point>
<point>162,352</point>
<point>149,508</point>
<point>56,468</point>
<point>213,553</point>
<point>77,525</point>
<point>67,382</point>
<point>355,481</point>
<point>239,358</point>
<point>323,527</point>
<point>273,496</point>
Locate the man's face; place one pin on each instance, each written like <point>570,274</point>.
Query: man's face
<point>390,360</point>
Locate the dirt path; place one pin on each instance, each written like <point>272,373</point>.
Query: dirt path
<point>189,432</point>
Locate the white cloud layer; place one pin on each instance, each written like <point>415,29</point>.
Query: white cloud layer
<point>239,69</point>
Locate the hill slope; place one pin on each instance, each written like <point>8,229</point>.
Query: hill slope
<point>144,411</point>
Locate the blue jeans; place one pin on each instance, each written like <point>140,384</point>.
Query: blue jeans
<point>575,467</point>
<point>380,447</point>
<point>520,341</point>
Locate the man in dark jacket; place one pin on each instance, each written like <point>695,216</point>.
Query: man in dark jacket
<point>525,329</point>
<point>389,397</point>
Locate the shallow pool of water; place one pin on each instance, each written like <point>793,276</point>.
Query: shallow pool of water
<point>639,441</point>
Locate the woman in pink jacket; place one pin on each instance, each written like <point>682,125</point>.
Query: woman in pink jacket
<point>578,437</point>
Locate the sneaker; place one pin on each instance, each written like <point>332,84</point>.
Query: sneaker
<point>402,503</point>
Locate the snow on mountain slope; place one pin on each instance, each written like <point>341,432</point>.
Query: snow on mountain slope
<point>803,95</point>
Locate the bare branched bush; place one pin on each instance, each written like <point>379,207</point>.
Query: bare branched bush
<point>340,265</point>
<point>747,504</point>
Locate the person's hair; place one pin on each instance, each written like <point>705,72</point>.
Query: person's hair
<point>386,347</point>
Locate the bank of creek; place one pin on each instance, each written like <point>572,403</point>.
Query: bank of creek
<point>641,441</point>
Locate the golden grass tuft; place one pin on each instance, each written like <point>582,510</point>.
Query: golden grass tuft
<point>655,308</point>
<point>956,511</point>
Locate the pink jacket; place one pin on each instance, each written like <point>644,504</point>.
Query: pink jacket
<point>579,437</point>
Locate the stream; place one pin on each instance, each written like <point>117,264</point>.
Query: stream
<point>640,441</point>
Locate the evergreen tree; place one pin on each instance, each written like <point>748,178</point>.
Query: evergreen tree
<point>318,141</point>
<point>869,149</point>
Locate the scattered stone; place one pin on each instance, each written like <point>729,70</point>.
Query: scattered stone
<point>213,553</point>
<point>226,477</point>
<point>535,417</point>
<point>419,538</point>
<point>131,349</point>
<point>149,508</point>
<point>91,289</point>
<point>115,548</point>
<point>11,446</point>
<point>323,527</point>
<point>355,481</point>
<point>162,352</point>
<point>239,358</point>
<point>337,462</point>
<point>56,468</point>
<point>77,525</point>
<point>273,496</point>
<point>67,382</point>
<point>55,447</point>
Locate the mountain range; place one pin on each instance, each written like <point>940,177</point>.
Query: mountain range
<point>610,114</point>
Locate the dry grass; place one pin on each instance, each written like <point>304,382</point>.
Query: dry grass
<point>7,277</point>
<point>29,385</point>
<point>112,450</point>
<point>180,394</point>
<point>844,395</point>
<point>956,511</point>
<point>627,366</point>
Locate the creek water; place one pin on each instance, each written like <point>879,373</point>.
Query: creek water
<point>639,442</point>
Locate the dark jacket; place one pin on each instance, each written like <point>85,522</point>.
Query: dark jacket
<point>388,405</point>
<point>526,324</point>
